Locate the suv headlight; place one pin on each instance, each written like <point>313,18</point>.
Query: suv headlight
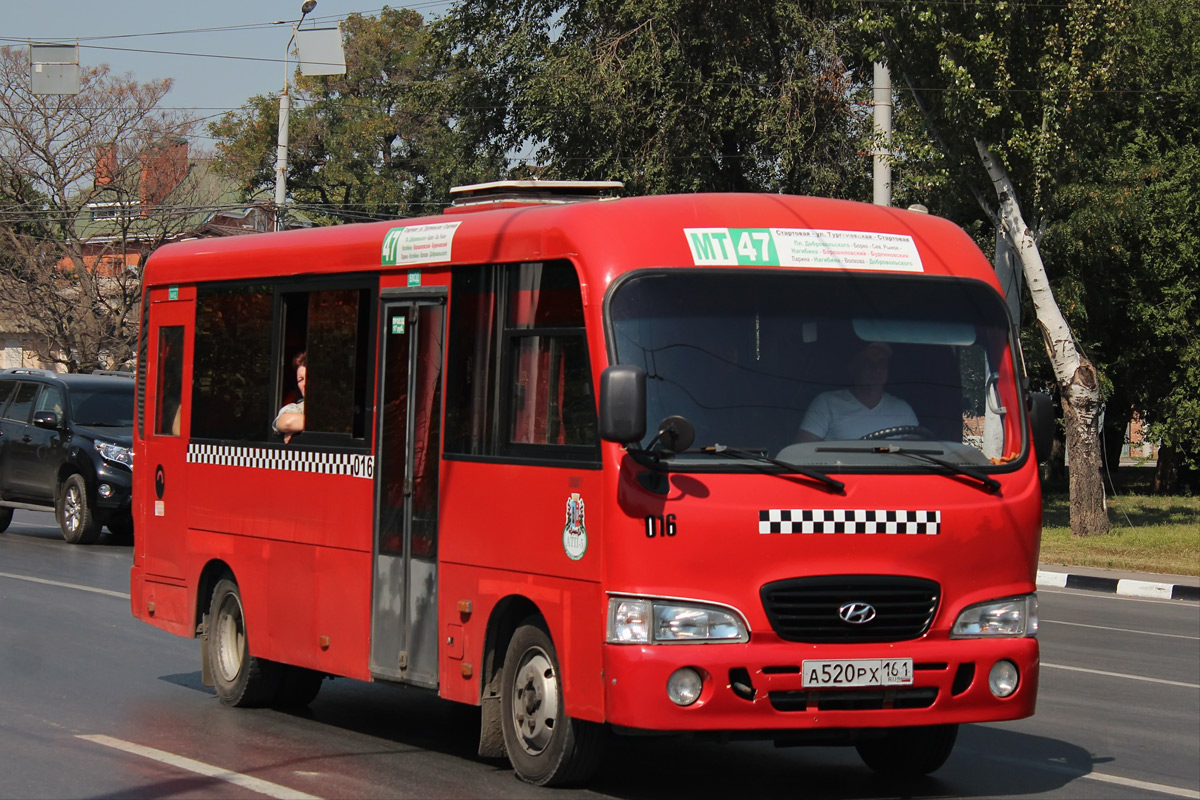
<point>1011,617</point>
<point>116,453</point>
<point>641,621</point>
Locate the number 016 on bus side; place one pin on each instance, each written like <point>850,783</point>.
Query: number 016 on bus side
<point>858,672</point>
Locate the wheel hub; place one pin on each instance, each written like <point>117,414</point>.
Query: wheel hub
<point>535,703</point>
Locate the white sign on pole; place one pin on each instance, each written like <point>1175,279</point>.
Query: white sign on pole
<point>321,51</point>
<point>54,68</point>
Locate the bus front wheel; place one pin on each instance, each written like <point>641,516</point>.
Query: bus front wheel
<point>545,746</point>
<point>239,678</point>
<point>909,751</point>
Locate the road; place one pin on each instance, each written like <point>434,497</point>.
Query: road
<point>94,704</point>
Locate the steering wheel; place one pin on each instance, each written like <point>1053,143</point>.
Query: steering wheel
<point>901,432</point>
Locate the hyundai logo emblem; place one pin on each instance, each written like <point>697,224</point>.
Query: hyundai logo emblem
<point>857,613</point>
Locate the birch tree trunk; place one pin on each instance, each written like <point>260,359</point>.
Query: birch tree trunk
<point>1075,375</point>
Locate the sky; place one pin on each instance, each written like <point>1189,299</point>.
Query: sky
<point>219,53</point>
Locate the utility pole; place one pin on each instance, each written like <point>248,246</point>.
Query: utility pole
<point>881,101</point>
<point>285,105</point>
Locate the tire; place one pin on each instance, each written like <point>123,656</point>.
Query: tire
<point>75,516</point>
<point>909,752</point>
<point>545,746</point>
<point>297,687</point>
<point>121,527</point>
<point>6,515</point>
<point>241,680</point>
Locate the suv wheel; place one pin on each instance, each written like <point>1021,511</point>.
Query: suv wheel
<point>75,516</point>
<point>5,518</point>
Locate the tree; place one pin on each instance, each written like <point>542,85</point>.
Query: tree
<point>665,95</point>
<point>69,282</point>
<point>377,142</point>
<point>1130,239</point>
<point>1009,91</point>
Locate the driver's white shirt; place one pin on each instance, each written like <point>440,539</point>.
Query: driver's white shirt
<point>839,415</point>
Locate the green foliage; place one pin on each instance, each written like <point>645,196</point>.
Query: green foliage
<point>375,142</point>
<point>1093,109</point>
<point>665,95</point>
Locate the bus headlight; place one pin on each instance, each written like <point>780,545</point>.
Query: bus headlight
<point>1011,617</point>
<point>642,621</point>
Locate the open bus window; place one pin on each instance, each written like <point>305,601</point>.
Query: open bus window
<point>532,367</point>
<point>743,356</point>
<point>243,373</point>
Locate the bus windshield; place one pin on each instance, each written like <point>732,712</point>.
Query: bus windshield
<point>823,370</point>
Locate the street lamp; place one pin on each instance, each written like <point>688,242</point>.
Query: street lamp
<point>285,105</point>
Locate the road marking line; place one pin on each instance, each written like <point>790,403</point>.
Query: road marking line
<point>66,585</point>
<point>1122,675</point>
<point>200,768</point>
<point>1153,787</point>
<point>1121,630</point>
<point>1062,769</point>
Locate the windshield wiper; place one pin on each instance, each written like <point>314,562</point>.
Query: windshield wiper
<point>989,483</point>
<point>719,449</point>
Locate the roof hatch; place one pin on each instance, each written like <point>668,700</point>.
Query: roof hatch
<point>509,194</point>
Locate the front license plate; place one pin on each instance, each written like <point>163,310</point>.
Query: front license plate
<point>858,672</point>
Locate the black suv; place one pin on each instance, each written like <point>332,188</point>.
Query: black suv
<point>66,446</point>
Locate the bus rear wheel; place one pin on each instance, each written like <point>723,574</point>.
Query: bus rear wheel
<point>909,752</point>
<point>240,679</point>
<point>545,746</point>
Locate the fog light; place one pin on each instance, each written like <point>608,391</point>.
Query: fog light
<point>683,687</point>
<point>105,491</point>
<point>1003,678</point>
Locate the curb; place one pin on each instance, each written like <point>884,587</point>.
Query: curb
<point>1126,587</point>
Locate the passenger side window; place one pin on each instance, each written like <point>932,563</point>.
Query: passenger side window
<point>533,368</point>
<point>247,337</point>
<point>231,383</point>
<point>50,400</point>
<point>169,392</point>
<point>21,407</point>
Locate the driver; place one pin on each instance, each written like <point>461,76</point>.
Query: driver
<point>863,408</point>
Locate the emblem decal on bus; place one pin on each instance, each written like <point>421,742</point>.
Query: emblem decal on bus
<point>419,244</point>
<point>351,464</point>
<point>575,532</point>
<point>801,247</point>
<point>849,520</point>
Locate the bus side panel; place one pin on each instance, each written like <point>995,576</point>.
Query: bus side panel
<point>524,518</point>
<point>525,531</point>
<point>283,504</point>
<point>303,604</point>
<point>307,601</point>
<point>574,613</point>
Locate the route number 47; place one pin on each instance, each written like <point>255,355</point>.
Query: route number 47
<point>755,247</point>
<point>660,526</point>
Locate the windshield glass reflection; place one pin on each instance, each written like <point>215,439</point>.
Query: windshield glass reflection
<point>823,370</point>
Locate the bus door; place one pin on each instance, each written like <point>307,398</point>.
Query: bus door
<point>162,494</point>
<point>404,593</point>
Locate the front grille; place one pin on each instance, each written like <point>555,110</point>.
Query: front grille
<point>854,699</point>
<point>806,609</point>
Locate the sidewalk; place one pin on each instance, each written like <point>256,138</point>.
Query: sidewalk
<point>1112,581</point>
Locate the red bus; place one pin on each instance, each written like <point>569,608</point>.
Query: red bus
<point>753,466</point>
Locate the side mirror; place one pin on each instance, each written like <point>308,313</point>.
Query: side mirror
<point>1041,419</point>
<point>46,419</point>
<point>623,404</point>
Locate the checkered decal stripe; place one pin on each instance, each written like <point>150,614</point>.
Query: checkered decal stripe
<point>848,520</point>
<point>354,465</point>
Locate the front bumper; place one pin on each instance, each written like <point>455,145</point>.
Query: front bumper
<point>758,687</point>
<point>121,482</point>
